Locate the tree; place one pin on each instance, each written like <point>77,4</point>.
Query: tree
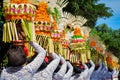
<point>89,9</point>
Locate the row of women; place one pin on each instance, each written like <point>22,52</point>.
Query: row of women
<point>54,68</point>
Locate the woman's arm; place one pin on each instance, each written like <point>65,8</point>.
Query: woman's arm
<point>91,69</point>
<point>59,75</point>
<point>53,65</point>
<point>69,73</point>
<point>36,63</point>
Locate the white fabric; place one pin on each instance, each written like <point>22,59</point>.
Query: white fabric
<point>69,73</point>
<point>103,72</point>
<point>47,73</point>
<point>115,75</point>
<point>59,75</point>
<point>90,71</point>
<point>95,74</point>
<point>85,72</point>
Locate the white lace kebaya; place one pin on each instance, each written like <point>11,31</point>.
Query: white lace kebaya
<point>115,75</point>
<point>69,73</point>
<point>90,71</point>
<point>25,72</point>
<point>103,72</point>
<point>59,75</point>
<point>95,74</point>
<point>47,73</point>
<point>108,75</point>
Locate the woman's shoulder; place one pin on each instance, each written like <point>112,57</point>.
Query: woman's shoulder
<point>7,75</point>
<point>15,73</point>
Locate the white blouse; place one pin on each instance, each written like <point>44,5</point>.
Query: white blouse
<point>47,73</point>
<point>59,75</point>
<point>69,73</point>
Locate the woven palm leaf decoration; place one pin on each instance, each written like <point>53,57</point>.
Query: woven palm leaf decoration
<point>65,24</point>
<point>80,21</point>
<point>60,4</point>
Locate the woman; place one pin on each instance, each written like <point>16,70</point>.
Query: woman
<point>16,60</point>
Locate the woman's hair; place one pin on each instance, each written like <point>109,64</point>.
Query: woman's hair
<point>77,69</point>
<point>16,56</point>
<point>119,76</point>
<point>88,65</point>
<point>110,69</point>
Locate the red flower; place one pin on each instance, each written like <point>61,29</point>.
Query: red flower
<point>25,50</point>
<point>46,59</point>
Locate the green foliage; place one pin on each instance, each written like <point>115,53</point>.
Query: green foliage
<point>89,9</point>
<point>94,32</point>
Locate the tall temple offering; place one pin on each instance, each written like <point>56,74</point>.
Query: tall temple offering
<point>18,16</point>
<point>78,46</point>
<point>43,27</point>
<point>56,36</point>
<point>65,45</point>
<point>19,27</point>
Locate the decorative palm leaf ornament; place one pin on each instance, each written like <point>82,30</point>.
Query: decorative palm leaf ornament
<point>85,32</point>
<point>55,8</point>
<point>80,21</point>
<point>60,4</point>
<point>70,22</point>
<point>66,19</point>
